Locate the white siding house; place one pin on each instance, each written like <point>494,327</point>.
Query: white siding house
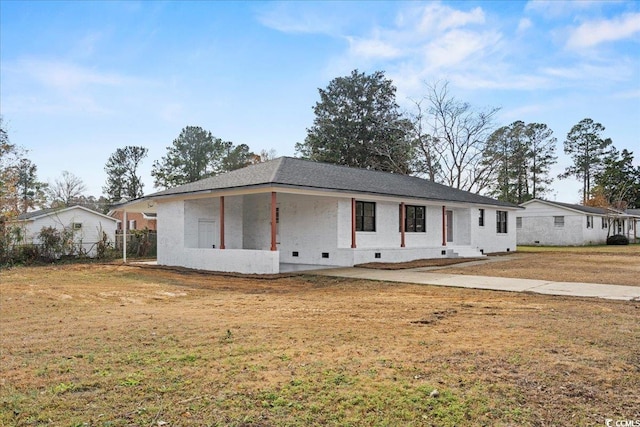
<point>272,215</point>
<point>87,225</point>
<point>544,222</point>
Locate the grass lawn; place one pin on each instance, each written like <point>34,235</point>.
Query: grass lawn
<point>112,345</point>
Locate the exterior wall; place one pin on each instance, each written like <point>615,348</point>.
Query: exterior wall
<point>486,238</point>
<point>309,226</point>
<point>538,227</point>
<point>139,218</point>
<point>310,230</point>
<point>209,210</point>
<point>91,232</point>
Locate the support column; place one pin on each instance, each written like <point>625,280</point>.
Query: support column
<point>444,226</point>
<point>221,222</point>
<point>273,221</point>
<point>403,225</point>
<point>353,223</point>
<point>124,236</point>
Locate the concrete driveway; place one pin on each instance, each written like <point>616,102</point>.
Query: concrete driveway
<point>427,276</point>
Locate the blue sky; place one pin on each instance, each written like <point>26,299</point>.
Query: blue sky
<point>80,79</point>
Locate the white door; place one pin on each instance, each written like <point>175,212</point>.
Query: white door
<point>207,233</point>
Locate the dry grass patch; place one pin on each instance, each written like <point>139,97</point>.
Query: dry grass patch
<point>123,346</point>
<point>616,265</point>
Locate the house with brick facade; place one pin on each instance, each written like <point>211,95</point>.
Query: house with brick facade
<point>288,213</point>
<point>552,223</point>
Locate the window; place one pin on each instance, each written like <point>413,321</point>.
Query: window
<point>605,222</point>
<point>481,218</point>
<point>414,218</point>
<point>132,224</point>
<point>589,221</point>
<point>365,216</point>
<point>76,225</point>
<point>501,221</point>
<point>558,221</point>
<point>518,222</point>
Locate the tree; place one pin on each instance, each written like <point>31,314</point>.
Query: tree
<point>194,155</point>
<point>520,156</point>
<point>358,123</point>
<point>587,150</point>
<point>236,157</point>
<point>10,156</point>
<point>452,139</point>
<point>505,153</point>
<point>32,193</point>
<point>542,155</point>
<point>619,181</point>
<point>66,190</point>
<point>122,174</point>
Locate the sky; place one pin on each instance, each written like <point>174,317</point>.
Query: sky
<point>78,80</point>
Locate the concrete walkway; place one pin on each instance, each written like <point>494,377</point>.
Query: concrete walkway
<point>427,276</point>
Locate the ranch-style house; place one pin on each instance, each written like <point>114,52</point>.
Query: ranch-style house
<point>289,213</point>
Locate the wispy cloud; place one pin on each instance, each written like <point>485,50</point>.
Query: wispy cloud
<point>592,33</point>
<point>59,86</point>
<point>301,17</point>
<point>560,8</point>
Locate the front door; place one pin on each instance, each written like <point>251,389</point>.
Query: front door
<point>206,233</point>
<point>449,226</point>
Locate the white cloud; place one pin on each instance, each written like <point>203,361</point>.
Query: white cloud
<point>57,86</point>
<point>442,18</point>
<point>373,48</point>
<point>593,33</point>
<point>66,76</point>
<point>524,25</point>
<point>302,17</point>
<point>560,8</point>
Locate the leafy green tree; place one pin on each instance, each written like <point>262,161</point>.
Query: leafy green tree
<point>122,174</point>
<point>358,123</point>
<point>520,156</point>
<point>541,156</point>
<point>588,150</point>
<point>32,192</point>
<point>194,155</point>
<point>506,152</point>
<point>619,180</point>
<point>237,157</point>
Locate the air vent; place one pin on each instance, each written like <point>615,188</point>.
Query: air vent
<point>325,254</point>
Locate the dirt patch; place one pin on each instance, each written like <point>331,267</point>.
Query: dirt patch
<point>118,345</point>
<point>417,263</point>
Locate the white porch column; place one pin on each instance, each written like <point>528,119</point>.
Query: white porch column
<point>124,236</point>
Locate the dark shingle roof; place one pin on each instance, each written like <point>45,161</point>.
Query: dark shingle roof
<point>29,215</point>
<point>298,173</point>
<point>581,208</point>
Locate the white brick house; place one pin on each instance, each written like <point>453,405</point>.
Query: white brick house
<point>544,222</point>
<point>291,211</point>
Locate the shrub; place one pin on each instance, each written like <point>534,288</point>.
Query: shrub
<point>617,239</point>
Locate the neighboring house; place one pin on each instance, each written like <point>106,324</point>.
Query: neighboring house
<point>561,224</point>
<point>636,224</point>
<point>135,220</point>
<point>87,225</point>
<point>292,211</point>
